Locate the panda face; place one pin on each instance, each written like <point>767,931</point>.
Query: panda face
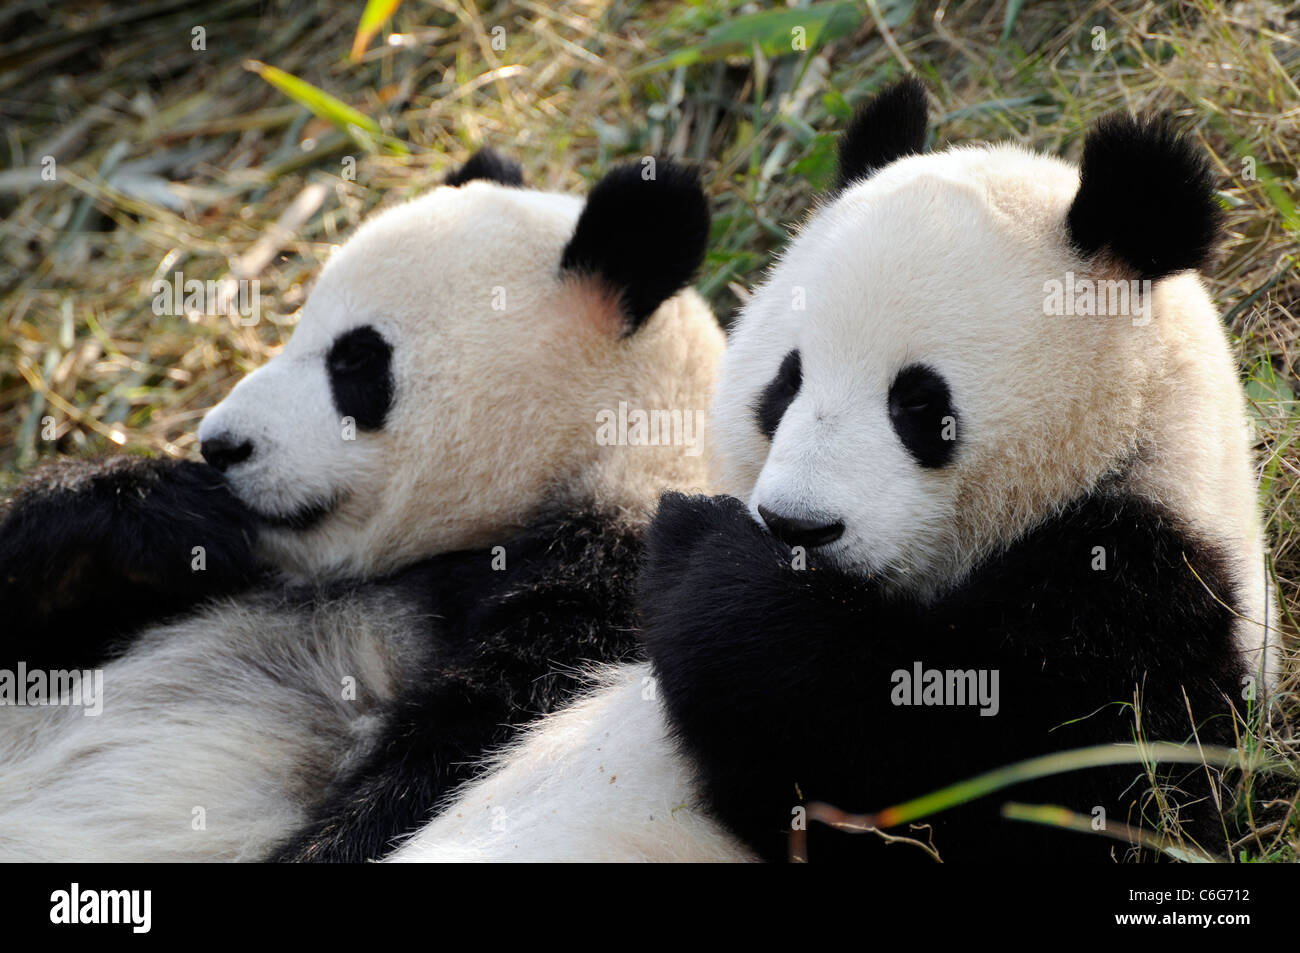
<point>445,376</point>
<point>895,395</point>
<point>358,441</point>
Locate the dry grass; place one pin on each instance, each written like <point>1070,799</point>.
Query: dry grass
<point>172,159</point>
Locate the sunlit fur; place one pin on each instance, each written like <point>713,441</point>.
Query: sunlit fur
<point>942,259</point>
<point>501,365</point>
<point>599,781</point>
<point>220,731</point>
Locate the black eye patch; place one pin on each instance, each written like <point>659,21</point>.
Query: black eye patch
<point>920,408</point>
<point>359,365</point>
<point>779,394</point>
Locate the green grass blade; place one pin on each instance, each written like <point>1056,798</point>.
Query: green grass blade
<point>1044,766</point>
<point>1053,815</point>
<point>352,121</point>
<point>1009,21</point>
<point>375,15</point>
<point>314,98</point>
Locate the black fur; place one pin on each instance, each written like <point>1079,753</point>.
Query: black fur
<point>778,684</point>
<point>922,414</point>
<point>508,646</point>
<point>489,165</point>
<point>644,238</point>
<point>92,550</point>
<point>1146,193</point>
<point>887,127</point>
<point>779,394</point>
<point>360,367</point>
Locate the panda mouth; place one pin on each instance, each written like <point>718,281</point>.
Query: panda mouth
<point>301,519</point>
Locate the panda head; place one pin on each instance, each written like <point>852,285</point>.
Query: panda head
<point>898,395</point>
<point>443,382</point>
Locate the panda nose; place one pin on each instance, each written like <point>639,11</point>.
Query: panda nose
<point>796,531</point>
<point>223,452</point>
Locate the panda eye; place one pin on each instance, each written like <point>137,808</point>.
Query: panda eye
<point>356,350</point>
<point>779,394</point>
<point>921,412</point>
<point>359,364</point>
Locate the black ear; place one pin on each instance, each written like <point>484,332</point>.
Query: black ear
<point>643,233</point>
<point>1146,193</point>
<point>885,128</point>
<point>489,165</point>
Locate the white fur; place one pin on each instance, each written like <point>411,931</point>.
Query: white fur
<point>601,781</point>
<point>941,259</point>
<point>495,406</point>
<point>217,733</point>
<point>239,710</point>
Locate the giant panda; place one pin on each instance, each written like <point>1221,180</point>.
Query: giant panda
<point>932,472</point>
<point>415,537</point>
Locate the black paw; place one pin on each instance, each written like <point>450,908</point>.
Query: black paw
<point>716,587</point>
<point>708,560</point>
<point>705,533</point>
<point>93,549</point>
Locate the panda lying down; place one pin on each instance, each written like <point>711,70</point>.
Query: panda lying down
<point>935,468</point>
<point>418,542</point>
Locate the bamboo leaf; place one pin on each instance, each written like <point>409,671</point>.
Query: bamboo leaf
<point>317,100</point>
<point>375,15</point>
<point>352,121</point>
